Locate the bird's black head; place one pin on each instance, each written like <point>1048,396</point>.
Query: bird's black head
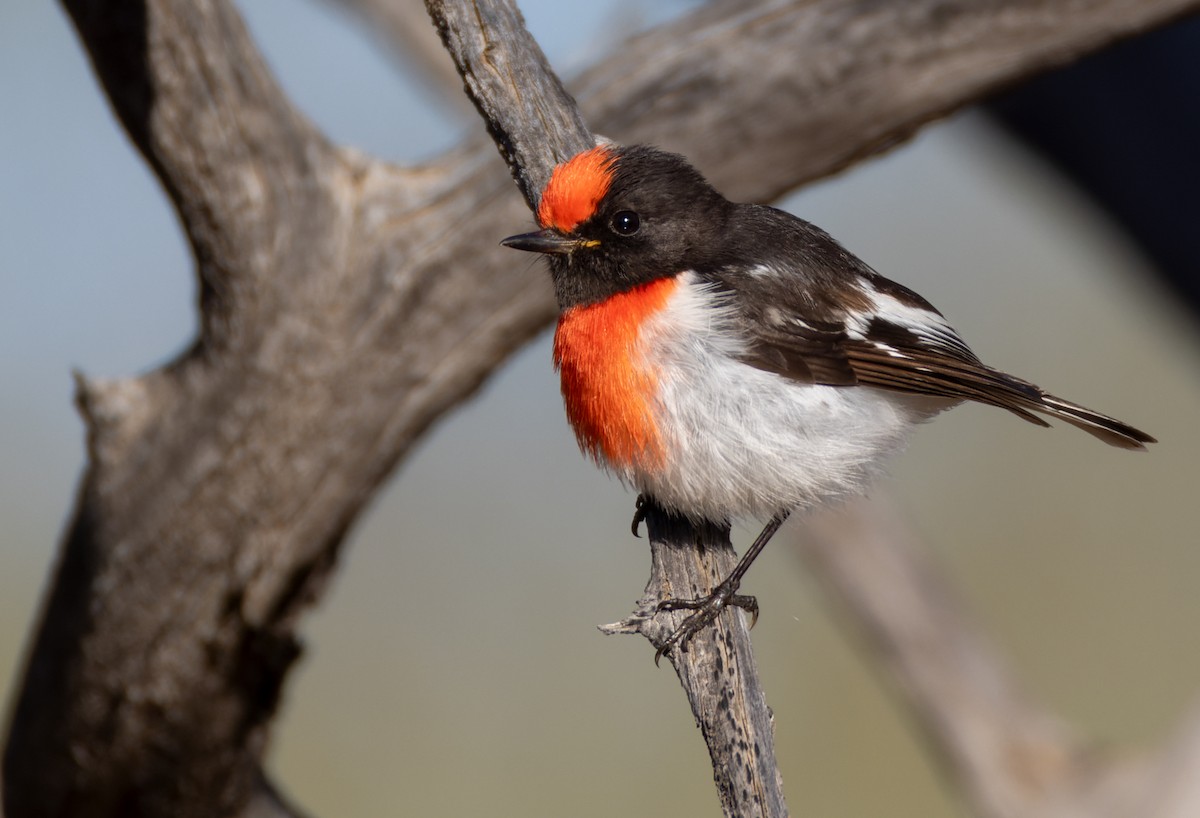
<point>617,217</point>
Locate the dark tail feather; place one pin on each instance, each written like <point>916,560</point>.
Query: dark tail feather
<point>1111,431</point>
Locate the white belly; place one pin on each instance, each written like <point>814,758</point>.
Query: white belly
<point>745,442</point>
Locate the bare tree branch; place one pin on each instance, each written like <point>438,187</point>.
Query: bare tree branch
<point>718,671</point>
<point>219,488</point>
<point>1173,788</point>
<point>814,87</point>
<point>1005,751</point>
<point>532,118</point>
<point>1010,757</point>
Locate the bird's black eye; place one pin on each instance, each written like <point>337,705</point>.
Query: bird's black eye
<point>626,223</point>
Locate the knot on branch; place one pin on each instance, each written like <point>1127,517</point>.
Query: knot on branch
<point>114,410</point>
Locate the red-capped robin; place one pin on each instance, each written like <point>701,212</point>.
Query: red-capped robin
<point>732,360</point>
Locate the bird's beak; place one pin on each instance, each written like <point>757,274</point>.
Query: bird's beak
<point>544,241</point>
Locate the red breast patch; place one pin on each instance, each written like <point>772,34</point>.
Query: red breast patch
<point>607,389</point>
<point>575,188</point>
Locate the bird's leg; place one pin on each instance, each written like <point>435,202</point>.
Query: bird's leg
<point>708,608</point>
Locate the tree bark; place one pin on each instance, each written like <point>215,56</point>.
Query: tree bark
<point>717,670</point>
<point>346,304</point>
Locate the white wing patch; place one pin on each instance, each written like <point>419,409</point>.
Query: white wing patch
<point>926,324</point>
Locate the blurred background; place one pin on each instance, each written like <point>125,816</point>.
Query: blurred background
<point>454,668</point>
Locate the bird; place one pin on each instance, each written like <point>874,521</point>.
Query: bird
<point>733,361</point>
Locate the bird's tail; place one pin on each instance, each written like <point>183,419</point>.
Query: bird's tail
<point>1110,430</point>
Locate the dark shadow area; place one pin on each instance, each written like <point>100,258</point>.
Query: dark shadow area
<point>1125,126</point>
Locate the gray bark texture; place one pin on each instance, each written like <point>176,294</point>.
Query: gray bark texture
<point>219,487</point>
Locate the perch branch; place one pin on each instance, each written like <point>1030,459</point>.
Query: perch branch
<point>718,670</point>
<point>531,117</point>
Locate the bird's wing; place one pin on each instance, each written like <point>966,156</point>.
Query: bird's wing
<point>888,337</point>
<point>891,339</point>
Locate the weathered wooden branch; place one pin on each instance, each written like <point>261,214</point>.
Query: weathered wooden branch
<point>529,115</point>
<point>814,87</point>
<point>1010,757</point>
<point>718,671</point>
<point>536,124</point>
<point>346,304</point>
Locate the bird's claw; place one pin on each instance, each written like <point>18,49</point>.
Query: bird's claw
<point>707,609</point>
<point>639,514</point>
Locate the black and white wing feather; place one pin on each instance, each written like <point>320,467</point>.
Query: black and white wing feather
<point>838,322</point>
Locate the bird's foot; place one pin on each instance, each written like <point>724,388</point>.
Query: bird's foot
<point>707,609</point>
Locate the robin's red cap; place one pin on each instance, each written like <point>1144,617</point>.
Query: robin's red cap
<point>575,188</point>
